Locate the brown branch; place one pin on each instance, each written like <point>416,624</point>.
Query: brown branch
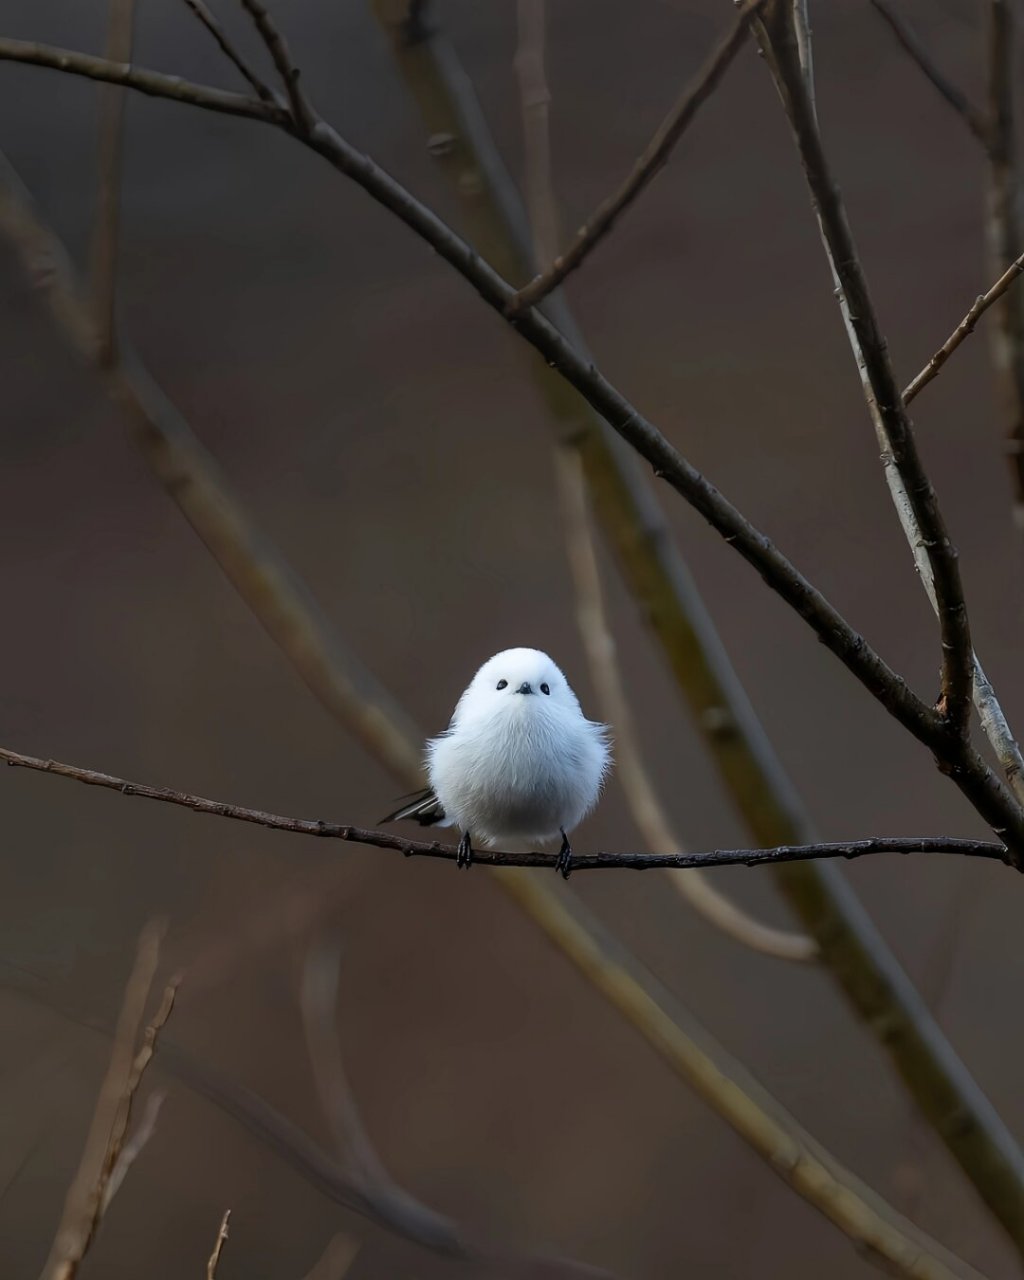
<point>494,858</point>
<point>230,50</point>
<point>881,391</point>
<point>87,1198</point>
<point>303,115</point>
<point>218,1246</point>
<point>651,161</point>
<point>152,83</point>
<point>947,90</point>
<point>120,33</point>
<point>964,329</point>
<point>1004,236</point>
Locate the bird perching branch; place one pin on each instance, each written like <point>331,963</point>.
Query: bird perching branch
<point>495,858</point>
<point>652,159</point>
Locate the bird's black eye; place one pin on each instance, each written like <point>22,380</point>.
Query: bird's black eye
<point>544,689</point>
<point>502,684</point>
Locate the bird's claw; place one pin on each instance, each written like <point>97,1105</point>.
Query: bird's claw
<point>563,863</point>
<point>464,856</point>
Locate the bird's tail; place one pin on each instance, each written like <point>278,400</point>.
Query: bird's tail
<point>422,807</point>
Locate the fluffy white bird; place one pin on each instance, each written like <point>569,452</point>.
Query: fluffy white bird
<point>519,761</point>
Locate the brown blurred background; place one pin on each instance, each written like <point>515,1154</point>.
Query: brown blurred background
<point>386,433</point>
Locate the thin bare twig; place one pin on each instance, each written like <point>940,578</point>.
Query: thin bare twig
<point>964,329</point>
<point>645,805</point>
<point>230,50</point>
<point>652,159</point>
<point>1004,236</point>
<point>218,1246</point>
<point>87,1198</point>
<point>303,115</point>
<point>120,34</point>
<point>948,91</point>
<point>905,471</point>
<point>496,858</point>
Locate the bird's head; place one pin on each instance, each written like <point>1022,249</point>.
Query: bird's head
<point>518,682</point>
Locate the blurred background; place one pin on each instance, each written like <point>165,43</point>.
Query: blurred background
<point>385,431</point>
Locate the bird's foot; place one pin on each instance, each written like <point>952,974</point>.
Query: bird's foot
<point>464,857</point>
<point>563,864</point>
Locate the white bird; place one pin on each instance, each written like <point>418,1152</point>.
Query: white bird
<point>519,761</point>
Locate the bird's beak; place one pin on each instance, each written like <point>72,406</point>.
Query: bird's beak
<point>525,687</point>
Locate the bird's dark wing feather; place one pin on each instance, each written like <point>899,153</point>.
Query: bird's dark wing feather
<point>423,807</point>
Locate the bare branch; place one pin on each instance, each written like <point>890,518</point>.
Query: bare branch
<point>964,329</point>
<point>230,50</point>
<point>303,115</point>
<point>120,31</point>
<point>644,803</point>
<point>904,467</point>
<point>494,858</point>
<point>152,83</point>
<point>948,91</point>
<point>218,1246</point>
<point>1004,236</point>
<point>87,1198</point>
<point>647,166</point>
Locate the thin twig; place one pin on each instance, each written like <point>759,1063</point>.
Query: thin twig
<point>495,858</point>
<point>230,50</point>
<point>120,33</point>
<point>905,471</point>
<point>303,115</point>
<point>652,159</point>
<point>1004,237</point>
<point>947,90</point>
<point>645,805</point>
<point>218,1246</point>
<point>86,1198</point>
<point>964,329</point>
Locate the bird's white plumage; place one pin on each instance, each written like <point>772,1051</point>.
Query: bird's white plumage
<point>517,765</point>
